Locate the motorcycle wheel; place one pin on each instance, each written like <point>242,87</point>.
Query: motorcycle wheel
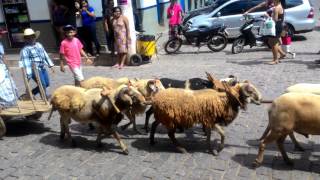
<point>217,42</point>
<point>238,45</point>
<point>173,45</point>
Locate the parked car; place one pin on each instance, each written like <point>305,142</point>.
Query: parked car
<point>299,15</point>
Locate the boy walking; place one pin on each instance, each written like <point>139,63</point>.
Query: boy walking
<point>31,54</point>
<point>174,14</point>
<point>71,51</point>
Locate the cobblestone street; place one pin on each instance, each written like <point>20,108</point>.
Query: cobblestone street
<point>32,149</point>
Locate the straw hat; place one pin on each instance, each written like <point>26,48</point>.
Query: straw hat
<point>31,32</point>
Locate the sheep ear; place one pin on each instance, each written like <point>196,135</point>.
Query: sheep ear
<point>216,83</point>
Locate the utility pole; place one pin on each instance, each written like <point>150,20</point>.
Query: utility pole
<point>126,6</point>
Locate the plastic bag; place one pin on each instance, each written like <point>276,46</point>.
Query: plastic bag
<point>268,28</point>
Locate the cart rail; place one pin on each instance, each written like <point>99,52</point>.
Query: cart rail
<point>26,108</point>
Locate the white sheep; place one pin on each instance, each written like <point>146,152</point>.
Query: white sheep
<point>289,113</point>
<point>95,105</point>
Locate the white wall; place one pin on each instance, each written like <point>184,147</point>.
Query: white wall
<point>39,9</point>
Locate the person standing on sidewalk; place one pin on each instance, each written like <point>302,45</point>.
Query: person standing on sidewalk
<point>108,26</point>
<point>33,53</point>
<point>71,51</point>
<point>122,36</point>
<point>89,28</point>
<point>174,14</point>
<point>8,89</point>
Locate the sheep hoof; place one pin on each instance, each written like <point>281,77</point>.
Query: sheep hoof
<point>73,143</point>
<point>91,126</point>
<point>152,143</point>
<point>289,162</point>
<point>214,152</point>
<point>256,164</point>
<point>99,145</point>
<point>181,150</point>
<point>125,152</point>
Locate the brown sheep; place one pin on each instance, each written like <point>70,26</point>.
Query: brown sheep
<point>147,87</point>
<point>289,113</point>
<point>184,108</point>
<point>97,106</point>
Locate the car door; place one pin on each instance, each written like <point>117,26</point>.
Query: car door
<point>231,15</point>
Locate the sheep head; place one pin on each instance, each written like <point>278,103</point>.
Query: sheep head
<point>129,95</point>
<point>250,93</point>
<point>154,86</point>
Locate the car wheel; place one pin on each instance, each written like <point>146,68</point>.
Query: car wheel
<point>3,128</point>
<point>173,45</point>
<point>238,45</point>
<point>217,42</point>
<point>135,60</point>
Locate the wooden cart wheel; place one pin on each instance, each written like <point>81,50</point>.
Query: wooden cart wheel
<point>35,117</point>
<point>3,128</point>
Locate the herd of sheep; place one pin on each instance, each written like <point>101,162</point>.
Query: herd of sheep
<point>180,105</point>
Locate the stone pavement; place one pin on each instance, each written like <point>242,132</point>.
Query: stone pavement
<point>32,150</point>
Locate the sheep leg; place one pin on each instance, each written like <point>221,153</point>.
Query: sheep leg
<point>132,119</point>
<point>122,145</point>
<point>153,130</point>
<point>99,136</point>
<point>297,146</point>
<point>283,151</point>
<point>175,141</point>
<point>265,133</point>
<point>62,127</point>
<point>221,133</point>
<point>149,112</point>
<point>208,134</point>
<point>272,136</point>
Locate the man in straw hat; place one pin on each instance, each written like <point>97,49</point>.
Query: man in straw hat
<point>8,90</point>
<point>34,53</point>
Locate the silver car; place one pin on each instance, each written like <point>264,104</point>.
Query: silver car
<point>299,15</point>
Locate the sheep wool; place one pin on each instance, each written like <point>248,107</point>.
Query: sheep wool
<point>99,82</point>
<point>185,108</point>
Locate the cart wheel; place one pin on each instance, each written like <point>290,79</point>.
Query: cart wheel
<point>135,60</point>
<point>3,128</point>
<point>35,117</point>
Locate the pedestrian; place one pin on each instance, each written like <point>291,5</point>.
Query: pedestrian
<point>59,19</point>
<point>174,14</point>
<point>78,21</point>
<point>71,51</point>
<point>286,42</point>
<point>108,26</point>
<point>33,54</point>
<point>122,36</point>
<point>274,42</point>
<point>89,28</point>
<point>8,89</point>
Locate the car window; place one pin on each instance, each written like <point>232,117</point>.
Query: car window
<point>252,4</point>
<point>238,7</point>
<point>293,3</point>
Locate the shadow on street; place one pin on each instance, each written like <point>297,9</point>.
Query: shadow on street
<point>21,127</point>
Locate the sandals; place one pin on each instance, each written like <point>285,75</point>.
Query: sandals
<point>273,62</point>
<point>116,66</point>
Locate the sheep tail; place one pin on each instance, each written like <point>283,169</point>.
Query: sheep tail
<point>265,133</point>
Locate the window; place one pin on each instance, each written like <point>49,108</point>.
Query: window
<point>293,3</point>
<point>255,3</point>
<point>238,7</point>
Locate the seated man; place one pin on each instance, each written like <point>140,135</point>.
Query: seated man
<point>8,90</point>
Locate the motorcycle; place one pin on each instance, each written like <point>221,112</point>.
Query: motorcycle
<point>247,37</point>
<point>215,37</point>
